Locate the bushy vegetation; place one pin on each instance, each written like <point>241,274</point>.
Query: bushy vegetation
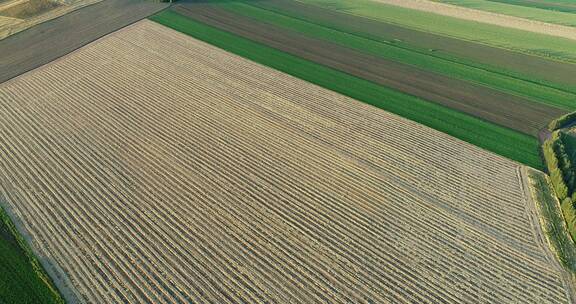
<point>504,141</point>
<point>562,122</point>
<point>553,221</point>
<point>22,278</point>
<point>560,153</point>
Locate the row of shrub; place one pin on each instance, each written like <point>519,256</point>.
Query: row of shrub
<point>559,155</point>
<point>562,121</point>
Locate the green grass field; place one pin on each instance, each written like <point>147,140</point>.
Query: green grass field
<point>22,278</point>
<point>421,59</point>
<point>503,141</point>
<point>517,11</point>
<point>517,40</point>
<point>568,6</point>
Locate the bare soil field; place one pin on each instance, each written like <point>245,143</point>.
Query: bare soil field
<point>558,30</point>
<point>47,41</point>
<point>149,167</point>
<point>492,105</point>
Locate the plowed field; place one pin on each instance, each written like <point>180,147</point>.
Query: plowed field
<point>150,167</point>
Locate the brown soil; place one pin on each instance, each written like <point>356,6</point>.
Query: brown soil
<point>500,108</point>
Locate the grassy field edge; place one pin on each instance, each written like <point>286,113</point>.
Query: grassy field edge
<point>39,271</point>
<point>503,141</point>
<point>552,219</point>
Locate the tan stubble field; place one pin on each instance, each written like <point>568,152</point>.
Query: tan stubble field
<point>149,167</point>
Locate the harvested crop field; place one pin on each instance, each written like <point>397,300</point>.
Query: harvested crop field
<point>150,167</point>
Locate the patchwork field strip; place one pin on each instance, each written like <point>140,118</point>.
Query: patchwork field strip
<point>482,56</point>
<point>494,106</point>
<point>535,26</point>
<point>531,43</point>
<point>150,167</point>
<point>549,15</point>
<point>353,37</point>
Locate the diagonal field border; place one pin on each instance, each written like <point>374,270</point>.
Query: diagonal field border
<point>50,40</point>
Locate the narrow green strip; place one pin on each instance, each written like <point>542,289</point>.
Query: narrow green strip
<point>506,142</point>
<point>22,278</point>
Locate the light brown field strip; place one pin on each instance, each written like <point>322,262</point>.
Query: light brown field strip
<point>444,9</point>
<point>150,167</point>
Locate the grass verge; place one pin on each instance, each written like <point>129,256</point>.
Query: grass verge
<point>22,277</point>
<point>552,220</point>
<point>560,153</point>
<point>503,141</point>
